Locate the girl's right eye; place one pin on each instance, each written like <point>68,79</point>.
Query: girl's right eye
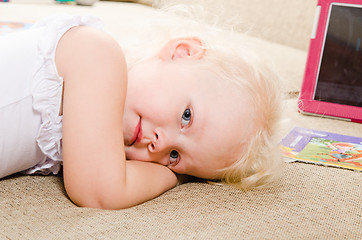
<point>173,156</point>
<point>186,118</point>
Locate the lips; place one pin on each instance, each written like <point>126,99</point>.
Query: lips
<point>137,135</point>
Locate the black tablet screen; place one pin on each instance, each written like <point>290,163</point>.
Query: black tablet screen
<point>340,72</point>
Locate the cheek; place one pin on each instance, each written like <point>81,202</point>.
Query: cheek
<point>180,169</point>
<point>147,99</point>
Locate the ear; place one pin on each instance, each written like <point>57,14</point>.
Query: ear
<point>191,48</point>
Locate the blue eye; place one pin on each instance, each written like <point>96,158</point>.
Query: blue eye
<point>173,156</point>
<point>186,117</point>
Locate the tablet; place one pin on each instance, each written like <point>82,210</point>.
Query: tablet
<point>332,84</point>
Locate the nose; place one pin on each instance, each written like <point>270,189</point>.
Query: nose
<point>161,142</point>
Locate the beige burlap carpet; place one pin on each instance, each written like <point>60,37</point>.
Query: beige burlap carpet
<point>310,202</point>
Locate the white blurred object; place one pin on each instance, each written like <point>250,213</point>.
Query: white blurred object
<point>86,2</point>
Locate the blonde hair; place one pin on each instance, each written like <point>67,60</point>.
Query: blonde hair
<point>261,163</point>
<point>238,62</point>
<point>231,57</point>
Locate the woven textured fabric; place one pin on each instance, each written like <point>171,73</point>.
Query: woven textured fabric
<point>309,202</point>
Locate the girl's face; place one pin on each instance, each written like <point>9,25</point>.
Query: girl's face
<point>184,118</point>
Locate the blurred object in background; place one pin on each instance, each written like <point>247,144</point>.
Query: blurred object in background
<point>86,2</point>
<point>79,2</point>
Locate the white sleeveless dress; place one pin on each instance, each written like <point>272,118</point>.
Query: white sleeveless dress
<point>31,95</point>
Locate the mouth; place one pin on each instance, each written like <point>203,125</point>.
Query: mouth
<point>137,135</point>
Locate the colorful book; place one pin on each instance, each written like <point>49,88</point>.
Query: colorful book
<point>7,26</point>
<point>323,148</point>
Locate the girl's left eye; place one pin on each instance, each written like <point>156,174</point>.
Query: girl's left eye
<point>186,118</point>
<point>174,156</point>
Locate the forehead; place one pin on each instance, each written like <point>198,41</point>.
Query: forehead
<point>223,122</point>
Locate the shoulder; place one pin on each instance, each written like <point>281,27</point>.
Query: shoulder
<point>85,48</point>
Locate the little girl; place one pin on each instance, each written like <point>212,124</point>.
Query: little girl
<point>125,124</point>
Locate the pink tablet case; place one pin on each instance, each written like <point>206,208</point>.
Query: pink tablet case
<point>306,103</point>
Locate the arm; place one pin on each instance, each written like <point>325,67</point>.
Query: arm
<point>96,173</point>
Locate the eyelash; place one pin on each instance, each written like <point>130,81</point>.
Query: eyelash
<point>174,155</point>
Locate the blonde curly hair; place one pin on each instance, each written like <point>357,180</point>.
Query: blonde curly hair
<point>238,62</point>
<point>261,162</point>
